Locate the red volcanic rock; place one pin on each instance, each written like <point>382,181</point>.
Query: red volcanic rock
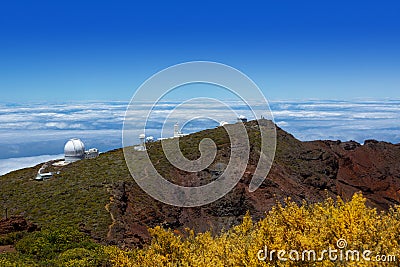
<point>15,224</point>
<point>308,171</point>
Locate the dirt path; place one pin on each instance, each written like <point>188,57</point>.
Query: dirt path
<point>107,207</point>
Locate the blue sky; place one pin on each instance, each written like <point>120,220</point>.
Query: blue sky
<point>103,50</point>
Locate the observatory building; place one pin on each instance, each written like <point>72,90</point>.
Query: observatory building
<point>177,131</point>
<point>74,150</point>
<point>142,146</point>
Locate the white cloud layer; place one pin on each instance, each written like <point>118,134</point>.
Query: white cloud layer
<point>37,129</point>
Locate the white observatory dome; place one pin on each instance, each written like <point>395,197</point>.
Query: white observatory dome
<point>74,150</point>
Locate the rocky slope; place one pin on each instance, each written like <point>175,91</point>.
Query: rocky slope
<point>308,171</point>
<point>86,192</point>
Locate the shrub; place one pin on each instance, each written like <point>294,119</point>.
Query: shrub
<point>48,243</point>
<point>82,257</point>
<point>286,227</point>
<point>11,238</point>
<point>16,260</point>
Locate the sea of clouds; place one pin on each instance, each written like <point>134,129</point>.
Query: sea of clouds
<point>36,132</point>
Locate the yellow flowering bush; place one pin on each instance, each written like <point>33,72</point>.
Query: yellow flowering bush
<point>287,227</point>
<point>330,233</point>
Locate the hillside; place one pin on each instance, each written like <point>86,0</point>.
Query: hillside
<point>100,197</point>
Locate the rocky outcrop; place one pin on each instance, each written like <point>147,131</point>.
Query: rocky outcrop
<point>16,224</point>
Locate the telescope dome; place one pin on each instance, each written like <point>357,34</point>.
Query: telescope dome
<point>74,150</point>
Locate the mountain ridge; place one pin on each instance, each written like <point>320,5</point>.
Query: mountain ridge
<point>100,197</point>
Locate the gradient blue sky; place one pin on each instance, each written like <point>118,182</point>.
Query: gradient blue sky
<point>103,50</point>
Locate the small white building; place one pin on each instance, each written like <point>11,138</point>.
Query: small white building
<point>92,153</point>
<point>42,175</point>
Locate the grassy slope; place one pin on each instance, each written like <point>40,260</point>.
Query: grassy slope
<point>77,195</point>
